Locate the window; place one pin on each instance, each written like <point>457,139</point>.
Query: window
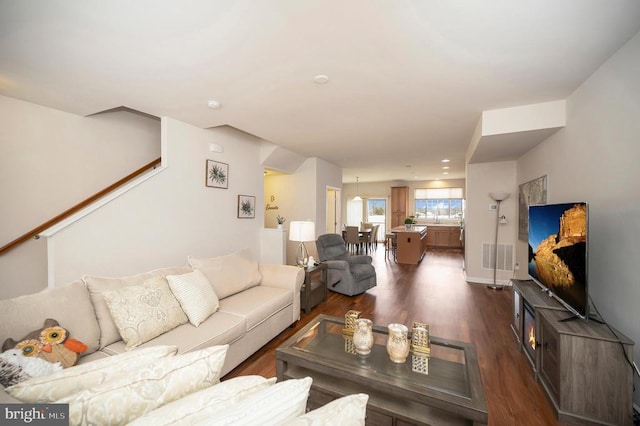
<point>376,214</point>
<point>439,204</point>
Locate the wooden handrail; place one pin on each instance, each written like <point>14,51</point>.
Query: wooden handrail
<point>65,214</point>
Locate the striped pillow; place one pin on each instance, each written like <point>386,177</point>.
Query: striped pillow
<point>195,294</point>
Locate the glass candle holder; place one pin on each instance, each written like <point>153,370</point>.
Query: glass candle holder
<point>398,343</point>
<point>363,336</point>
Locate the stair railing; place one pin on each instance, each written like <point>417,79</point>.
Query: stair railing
<point>35,232</point>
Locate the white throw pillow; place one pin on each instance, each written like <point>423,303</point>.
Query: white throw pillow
<point>84,376</point>
<point>204,403</point>
<point>274,405</point>
<point>229,274</point>
<point>142,312</point>
<point>349,410</point>
<point>122,400</point>
<point>195,294</point>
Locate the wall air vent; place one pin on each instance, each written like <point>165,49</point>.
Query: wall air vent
<point>505,256</point>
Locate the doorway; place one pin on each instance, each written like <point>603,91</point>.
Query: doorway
<point>333,213</point>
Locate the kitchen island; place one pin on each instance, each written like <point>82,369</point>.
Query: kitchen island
<point>411,243</point>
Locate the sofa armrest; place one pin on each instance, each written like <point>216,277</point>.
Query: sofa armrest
<point>287,277</point>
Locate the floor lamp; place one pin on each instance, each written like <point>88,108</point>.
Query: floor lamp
<point>498,197</point>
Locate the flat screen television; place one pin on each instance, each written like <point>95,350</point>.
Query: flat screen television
<point>558,254</point>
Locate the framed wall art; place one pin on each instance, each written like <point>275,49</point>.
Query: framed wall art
<point>246,206</point>
<point>531,193</point>
<point>217,174</point>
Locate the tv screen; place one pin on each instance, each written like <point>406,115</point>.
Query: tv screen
<point>558,236</point>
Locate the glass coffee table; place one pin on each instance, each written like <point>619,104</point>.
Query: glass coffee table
<point>444,388</point>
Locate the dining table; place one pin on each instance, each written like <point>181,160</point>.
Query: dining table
<point>361,233</point>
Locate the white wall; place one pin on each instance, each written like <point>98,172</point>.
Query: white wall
<point>51,160</point>
<point>173,215</point>
<point>595,159</point>
<point>480,222</point>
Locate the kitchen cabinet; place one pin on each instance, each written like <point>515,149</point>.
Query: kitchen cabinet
<point>399,205</point>
<point>442,236</point>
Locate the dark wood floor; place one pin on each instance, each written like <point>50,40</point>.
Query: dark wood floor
<point>435,292</point>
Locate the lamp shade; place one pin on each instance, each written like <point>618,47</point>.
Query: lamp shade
<point>302,231</point>
<point>499,196</point>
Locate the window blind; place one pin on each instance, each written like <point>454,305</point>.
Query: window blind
<point>438,193</point>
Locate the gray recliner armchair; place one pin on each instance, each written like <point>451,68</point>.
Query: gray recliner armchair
<point>346,274</point>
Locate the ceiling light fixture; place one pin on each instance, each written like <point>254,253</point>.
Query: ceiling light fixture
<point>357,197</point>
<point>446,160</point>
<point>321,79</point>
<point>213,104</point>
<point>446,168</point>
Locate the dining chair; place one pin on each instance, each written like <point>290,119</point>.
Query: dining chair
<point>373,239</point>
<point>365,239</point>
<point>353,239</point>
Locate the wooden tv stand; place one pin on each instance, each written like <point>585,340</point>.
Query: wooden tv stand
<point>580,365</point>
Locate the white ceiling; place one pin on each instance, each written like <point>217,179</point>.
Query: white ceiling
<point>408,79</point>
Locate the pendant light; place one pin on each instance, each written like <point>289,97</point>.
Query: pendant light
<point>357,197</point>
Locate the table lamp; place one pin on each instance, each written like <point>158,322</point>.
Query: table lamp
<point>302,231</point>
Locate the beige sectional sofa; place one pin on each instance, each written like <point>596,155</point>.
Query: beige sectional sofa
<point>255,302</point>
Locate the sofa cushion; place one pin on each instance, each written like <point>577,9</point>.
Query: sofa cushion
<point>204,403</point>
<point>274,405</point>
<point>219,329</point>
<point>142,312</point>
<point>196,296</point>
<point>97,285</point>
<point>121,400</point>
<point>70,304</point>
<point>256,304</point>
<point>81,377</point>
<point>349,410</point>
<point>231,273</point>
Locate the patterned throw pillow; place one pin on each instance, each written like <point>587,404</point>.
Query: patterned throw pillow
<point>40,390</point>
<point>123,399</point>
<point>142,312</point>
<point>11,374</point>
<point>274,405</point>
<point>205,403</point>
<point>349,410</point>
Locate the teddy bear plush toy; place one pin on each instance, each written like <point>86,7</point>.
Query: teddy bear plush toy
<point>50,343</point>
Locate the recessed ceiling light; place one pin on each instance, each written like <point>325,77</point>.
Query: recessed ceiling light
<point>446,160</point>
<point>213,104</point>
<point>446,168</point>
<point>321,79</point>
<point>445,173</point>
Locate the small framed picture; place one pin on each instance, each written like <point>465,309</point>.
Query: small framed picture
<point>246,206</point>
<point>217,174</point>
